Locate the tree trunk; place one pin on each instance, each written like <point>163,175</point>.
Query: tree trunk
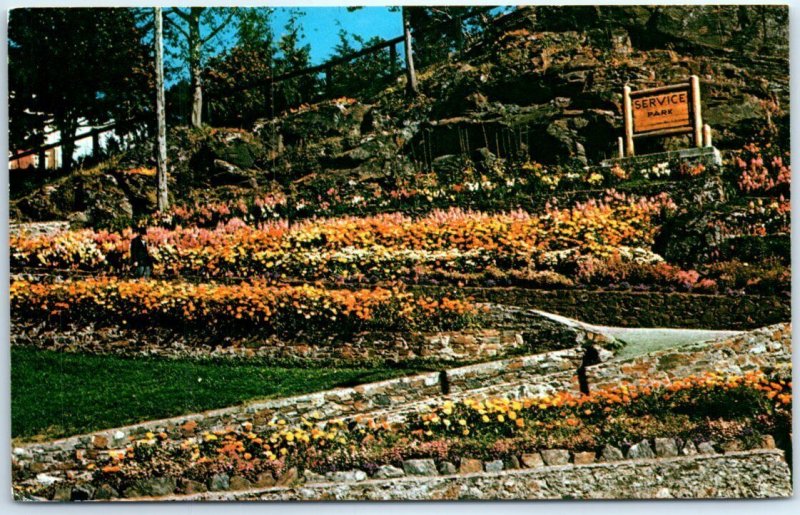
<point>66,128</point>
<point>459,29</point>
<point>162,199</point>
<point>195,44</point>
<point>410,73</point>
<point>42,153</point>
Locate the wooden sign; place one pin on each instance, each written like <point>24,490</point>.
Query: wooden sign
<point>663,111</point>
<point>655,111</point>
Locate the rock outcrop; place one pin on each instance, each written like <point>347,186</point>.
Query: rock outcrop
<point>543,84</point>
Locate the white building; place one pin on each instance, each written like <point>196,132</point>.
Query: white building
<point>53,156</point>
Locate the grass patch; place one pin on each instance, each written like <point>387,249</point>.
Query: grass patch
<point>56,394</point>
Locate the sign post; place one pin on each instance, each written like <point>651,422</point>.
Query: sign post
<point>663,111</point>
<point>628,121</point>
<point>698,117</point>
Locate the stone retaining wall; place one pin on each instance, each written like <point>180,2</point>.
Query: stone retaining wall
<point>750,474</point>
<point>765,349</point>
<point>513,331</point>
<point>646,309</point>
<point>341,402</point>
<point>34,229</point>
<point>446,347</point>
<point>768,349</point>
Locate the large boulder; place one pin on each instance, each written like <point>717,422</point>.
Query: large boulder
<point>96,195</point>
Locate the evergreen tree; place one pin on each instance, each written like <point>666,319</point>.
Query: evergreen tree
<point>292,56</point>
<point>364,76</point>
<point>66,65</point>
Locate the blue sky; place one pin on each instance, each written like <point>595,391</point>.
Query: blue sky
<point>321,26</point>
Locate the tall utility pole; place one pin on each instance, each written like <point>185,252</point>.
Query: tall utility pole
<point>412,75</point>
<point>161,154</point>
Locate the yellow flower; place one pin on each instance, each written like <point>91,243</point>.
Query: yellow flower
<point>501,418</point>
<point>485,418</point>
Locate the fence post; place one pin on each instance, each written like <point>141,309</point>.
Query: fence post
<point>328,81</point>
<point>393,59</point>
<point>95,143</point>
<point>694,80</point>
<point>628,118</point>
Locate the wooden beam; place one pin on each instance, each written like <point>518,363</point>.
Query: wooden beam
<point>57,144</point>
<point>696,111</point>
<point>328,80</point>
<point>628,116</point>
<point>660,89</point>
<point>665,132</point>
<point>393,60</point>
<point>707,135</point>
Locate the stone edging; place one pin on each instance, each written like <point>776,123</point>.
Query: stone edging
<point>505,331</point>
<point>767,347</point>
<point>757,474</point>
<point>339,402</point>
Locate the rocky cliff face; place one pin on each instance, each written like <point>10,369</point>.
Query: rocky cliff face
<point>544,84</point>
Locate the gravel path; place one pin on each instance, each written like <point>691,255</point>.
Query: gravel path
<point>641,340</point>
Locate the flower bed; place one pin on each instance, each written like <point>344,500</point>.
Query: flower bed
<point>763,170</point>
<point>231,309</point>
<point>455,238</point>
<point>754,170</point>
<point>734,411</point>
<point>503,187</point>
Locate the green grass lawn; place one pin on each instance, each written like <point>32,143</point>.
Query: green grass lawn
<point>56,394</point>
